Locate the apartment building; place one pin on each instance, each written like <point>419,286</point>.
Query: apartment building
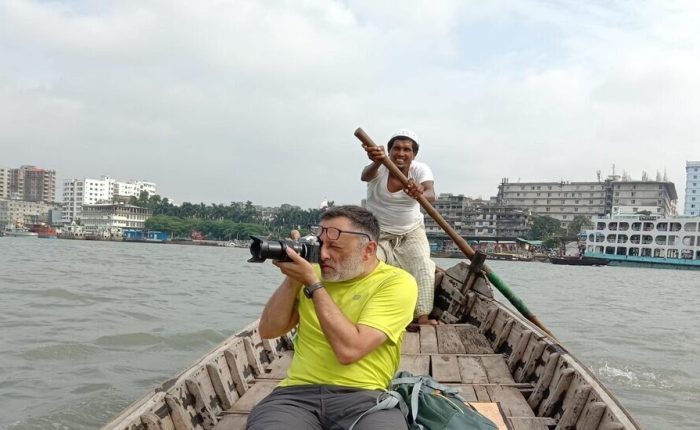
<point>29,183</point>
<point>565,200</point>
<point>80,192</point>
<point>4,183</point>
<point>692,188</point>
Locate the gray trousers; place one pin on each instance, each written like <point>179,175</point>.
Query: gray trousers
<point>322,407</point>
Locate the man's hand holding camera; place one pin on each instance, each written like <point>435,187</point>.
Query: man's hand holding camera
<point>298,269</point>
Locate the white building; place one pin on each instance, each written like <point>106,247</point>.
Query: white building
<point>565,200</point>
<point>692,188</point>
<point>4,183</point>
<point>80,192</point>
<point>110,219</point>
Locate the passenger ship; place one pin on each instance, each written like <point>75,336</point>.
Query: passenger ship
<point>646,241</point>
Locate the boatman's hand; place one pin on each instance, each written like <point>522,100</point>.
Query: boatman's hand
<point>298,269</point>
<point>413,189</point>
<point>375,153</point>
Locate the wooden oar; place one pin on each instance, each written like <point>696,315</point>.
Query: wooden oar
<point>459,240</point>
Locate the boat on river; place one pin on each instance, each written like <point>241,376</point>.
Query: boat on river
<point>646,241</point>
<point>571,260</point>
<point>20,232</point>
<point>498,359</point>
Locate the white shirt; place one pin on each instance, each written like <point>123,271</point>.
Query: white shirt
<point>398,213</point>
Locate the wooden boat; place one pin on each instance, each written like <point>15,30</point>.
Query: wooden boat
<point>494,355</point>
<point>579,261</point>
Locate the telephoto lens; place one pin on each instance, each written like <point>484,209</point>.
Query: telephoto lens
<point>276,249</point>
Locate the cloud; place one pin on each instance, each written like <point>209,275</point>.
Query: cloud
<point>219,101</point>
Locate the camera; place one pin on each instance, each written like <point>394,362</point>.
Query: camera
<point>276,249</point>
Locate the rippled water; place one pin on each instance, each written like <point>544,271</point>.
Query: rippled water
<point>88,327</point>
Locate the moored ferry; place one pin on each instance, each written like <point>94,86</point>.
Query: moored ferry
<point>646,241</point>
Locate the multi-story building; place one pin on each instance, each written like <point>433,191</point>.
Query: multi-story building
<point>19,212</point>
<point>455,209</point>
<point>4,183</point>
<point>692,188</point>
<point>565,200</point>
<point>498,220</point>
<point>110,219</point>
<point>29,183</point>
<point>80,192</point>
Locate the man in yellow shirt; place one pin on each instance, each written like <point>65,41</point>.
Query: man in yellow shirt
<point>352,310</point>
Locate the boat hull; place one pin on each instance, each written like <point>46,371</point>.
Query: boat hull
<point>584,261</point>
<point>650,262</point>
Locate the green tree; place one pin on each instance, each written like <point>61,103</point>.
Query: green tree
<point>580,222</point>
<point>545,227</point>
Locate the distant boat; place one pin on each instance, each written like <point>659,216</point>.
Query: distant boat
<point>579,261</point>
<point>44,231</point>
<point>20,232</point>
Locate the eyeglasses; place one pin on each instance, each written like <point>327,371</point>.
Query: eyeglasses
<point>333,233</point>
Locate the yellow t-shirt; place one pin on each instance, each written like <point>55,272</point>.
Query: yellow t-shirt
<point>384,299</point>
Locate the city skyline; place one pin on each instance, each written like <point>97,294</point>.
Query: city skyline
<point>239,101</point>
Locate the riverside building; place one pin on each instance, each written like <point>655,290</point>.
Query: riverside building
<point>80,192</point>
<point>109,220</point>
<point>28,183</point>
<point>478,218</point>
<point>565,200</point>
<point>692,188</point>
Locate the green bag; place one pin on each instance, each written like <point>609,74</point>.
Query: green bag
<point>434,406</point>
<point>429,405</point>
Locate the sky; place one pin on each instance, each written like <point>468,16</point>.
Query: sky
<point>224,100</point>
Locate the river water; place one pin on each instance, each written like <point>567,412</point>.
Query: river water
<point>88,327</point>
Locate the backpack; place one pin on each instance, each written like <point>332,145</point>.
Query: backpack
<point>429,405</point>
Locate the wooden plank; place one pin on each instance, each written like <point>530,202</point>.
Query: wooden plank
<point>544,380</point>
<point>182,409</point>
<point>428,340</point>
<point>492,411</point>
<point>411,343</point>
<point>255,393</point>
<point>445,368</point>
<point>222,381</point>
<point>497,370</point>
<point>511,400</point>
<point>473,341</point>
<point>417,364</point>
<point>591,415</point>
<point>472,371</point>
<point>278,368</point>
<point>153,422</point>
<point>466,391</point>
<point>203,404</point>
<point>547,407</point>
<point>573,408</point>
<point>482,394</point>
<point>448,340</point>
<point>518,423</point>
<point>232,422</point>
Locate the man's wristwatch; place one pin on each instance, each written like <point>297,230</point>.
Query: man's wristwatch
<point>309,291</point>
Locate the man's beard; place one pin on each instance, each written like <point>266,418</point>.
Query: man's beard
<point>351,268</point>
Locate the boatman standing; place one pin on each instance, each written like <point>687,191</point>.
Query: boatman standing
<point>403,241</point>
<point>351,312</point>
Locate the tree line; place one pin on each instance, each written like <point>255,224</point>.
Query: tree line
<point>236,220</point>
